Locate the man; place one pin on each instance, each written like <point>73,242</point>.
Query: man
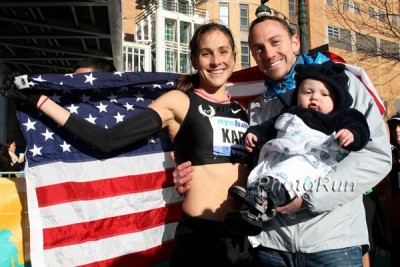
<point>327,225</point>
<point>94,65</point>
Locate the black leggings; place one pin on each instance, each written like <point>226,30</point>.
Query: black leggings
<point>206,243</point>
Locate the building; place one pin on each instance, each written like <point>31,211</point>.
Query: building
<point>161,29</point>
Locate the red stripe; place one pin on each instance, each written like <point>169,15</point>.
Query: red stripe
<point>74,191</point>
<point>110,227</point>
<point>147,258</point>
<point>381,108</point>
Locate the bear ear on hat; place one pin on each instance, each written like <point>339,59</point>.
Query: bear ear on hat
<point>338,67</point>
<point>299,68</point>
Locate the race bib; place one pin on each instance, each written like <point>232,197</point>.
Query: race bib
<point>228,136</point>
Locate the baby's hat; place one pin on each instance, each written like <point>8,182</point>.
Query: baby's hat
<point>332,74</point>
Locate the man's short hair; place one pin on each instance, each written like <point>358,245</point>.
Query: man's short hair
<point>97,64</point>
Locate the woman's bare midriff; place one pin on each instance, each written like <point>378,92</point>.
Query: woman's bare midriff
<point>208,196</point>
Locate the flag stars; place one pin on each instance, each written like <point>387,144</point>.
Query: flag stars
<point>65,147</point>
<point>36,151</point>
<point>70,75</point>
<point>128,106</point>
<point>157,86</point>
<point>91,119</point>
<point>102,107</point>
<point>30,125</point>
<point>139,96</point>
<point>113,98</point>
<point>90,78</point>
<point>119,117</point>
<point>56,98</point>
<point>73,109</point>
<point>118,73</point>
<point>48,135</point>
<point>85,98</point>
<point>39,79</point>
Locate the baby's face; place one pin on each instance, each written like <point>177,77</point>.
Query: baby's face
<point>314,94</point>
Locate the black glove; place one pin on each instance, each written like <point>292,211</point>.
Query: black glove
<point>9,90</point>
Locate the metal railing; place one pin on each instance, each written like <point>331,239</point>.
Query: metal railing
<point>20,174</point>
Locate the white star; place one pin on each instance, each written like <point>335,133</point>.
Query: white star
<point>61,83</point>
<point>157,86</point>
<point>119,117</point>
<point>39,79</point>
<point>171,83</point>
<point>139,96</point>
<point>70,75</point>
<point>31,84</point>
<point>128,106</point>
<point>30,125</point>
<point>73,109</point>
<point>102,107</point>
<point>151,140</point>
<point>90,78</point>
<point>118,73</point>
<point>91,119</point>
<point>55,98</point>
<point>85,98</point>
<point>48,135</point>
<point>113,98</point>
<point>65,147</point>
<point>124,88</point>
<point>36,150</point>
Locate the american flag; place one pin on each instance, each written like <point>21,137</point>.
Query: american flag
<point>91,209</point>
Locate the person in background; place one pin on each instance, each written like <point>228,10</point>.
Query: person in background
<point>9,161</point>
<point>324,227</point>
<point>201,110</point>
<point>94,65</point>
<point>390,194</point>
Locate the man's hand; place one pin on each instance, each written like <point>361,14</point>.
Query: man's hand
<point>182,175</point>
<point>293,206</point>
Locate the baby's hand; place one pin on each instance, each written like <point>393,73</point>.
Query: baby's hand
<point>250,141</point>
<point>345,137</point>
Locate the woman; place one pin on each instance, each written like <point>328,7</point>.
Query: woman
<point>9,162</point>
<point>206,128</point>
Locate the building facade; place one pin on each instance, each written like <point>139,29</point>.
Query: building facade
<point>161,30</point>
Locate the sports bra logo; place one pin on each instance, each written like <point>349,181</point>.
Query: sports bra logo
<point>207,113</point>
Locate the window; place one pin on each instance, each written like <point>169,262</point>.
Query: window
<point>292,6</point>
<point>357,8</point>
<point>373,13</point>
<point>339,38</point>
<point>333,32</point>
<point>244,16</point>
<point>366,44</point>
<point>170,30</point>
<point>170,61</point>
<point>382,16</point>
<point>133,58</point>
<point>169,5</point>
<point>224,14</point>
<point>183,7</point>
<point>245,54</point>
<point>389,50</point>
<point>184,32</point>
<point>346,5</point>
<point>396,20</point>
<point>329,2</point>
<point>184,64</point>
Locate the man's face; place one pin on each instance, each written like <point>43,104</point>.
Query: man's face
<point>273,49</point>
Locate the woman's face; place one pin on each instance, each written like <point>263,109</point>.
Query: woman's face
<point>215,60</point>
<point>12,147</point>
